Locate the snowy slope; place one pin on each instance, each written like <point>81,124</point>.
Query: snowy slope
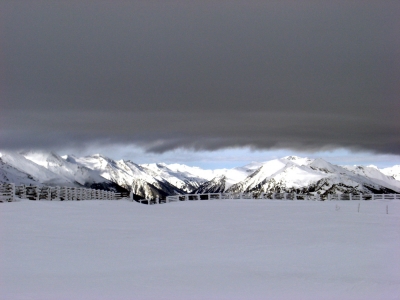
<point>129,175</point>
<point>9,174</point>
<point>307,175</point>
<point>277,175</point>
<point>107,168</point>
<point>216,185</point>
<point>195,171</point>
<point>149,180</point>
<point>376,175</point>
<point>38,173</point>
<point>225,178</point>
<point>392,171</point>
<point>257,171</point>
<point>266,179</point>
<point>293,173</point>
<point>68,169</point>
<point>48,168</point>
<point>181,179</point>
<point>224,181</point>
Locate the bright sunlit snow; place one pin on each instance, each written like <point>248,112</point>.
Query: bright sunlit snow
<point>226,249</point>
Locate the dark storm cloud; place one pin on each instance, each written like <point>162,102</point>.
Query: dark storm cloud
<point>202,75</point>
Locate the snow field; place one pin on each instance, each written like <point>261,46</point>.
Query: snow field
<point>220,249</point>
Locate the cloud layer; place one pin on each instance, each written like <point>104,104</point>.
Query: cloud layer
<point>201,75</point>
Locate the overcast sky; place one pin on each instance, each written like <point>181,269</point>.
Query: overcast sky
<point>166,76</point>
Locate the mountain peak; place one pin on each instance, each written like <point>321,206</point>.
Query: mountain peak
<point>373,166</point>
<point>293,157</point>
<point>322,165</point>
<point>43,158</point>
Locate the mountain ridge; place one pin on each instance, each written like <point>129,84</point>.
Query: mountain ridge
<point>286,174</point>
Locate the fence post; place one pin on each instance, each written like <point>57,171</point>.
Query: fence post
<point>350,196</point>
<point>57,193</point>
<point>12,191</point>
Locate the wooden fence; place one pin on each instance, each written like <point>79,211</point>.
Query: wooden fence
<point>278,196</point>
<point>9,192</point>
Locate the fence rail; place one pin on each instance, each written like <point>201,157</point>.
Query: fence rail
<point>10,192</point>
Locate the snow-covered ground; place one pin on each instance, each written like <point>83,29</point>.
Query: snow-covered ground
<point>221,249</point>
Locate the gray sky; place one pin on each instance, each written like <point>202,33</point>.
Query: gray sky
<point>201,75</point>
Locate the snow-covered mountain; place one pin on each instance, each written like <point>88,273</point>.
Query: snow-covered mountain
<point>48,168</point>
<point>74,172</point>
<point>146,181</point>
<point>23,168</point>
<point>286,174</point>
<point>376,175</point>
<point>225,178</point>
<point>305,175</point>
<point>392,171</point>
<point>183,180</point>
<point>242,177</point>
<point>10,174</point>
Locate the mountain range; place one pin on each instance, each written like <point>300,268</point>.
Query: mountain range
<point>287,174</point>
